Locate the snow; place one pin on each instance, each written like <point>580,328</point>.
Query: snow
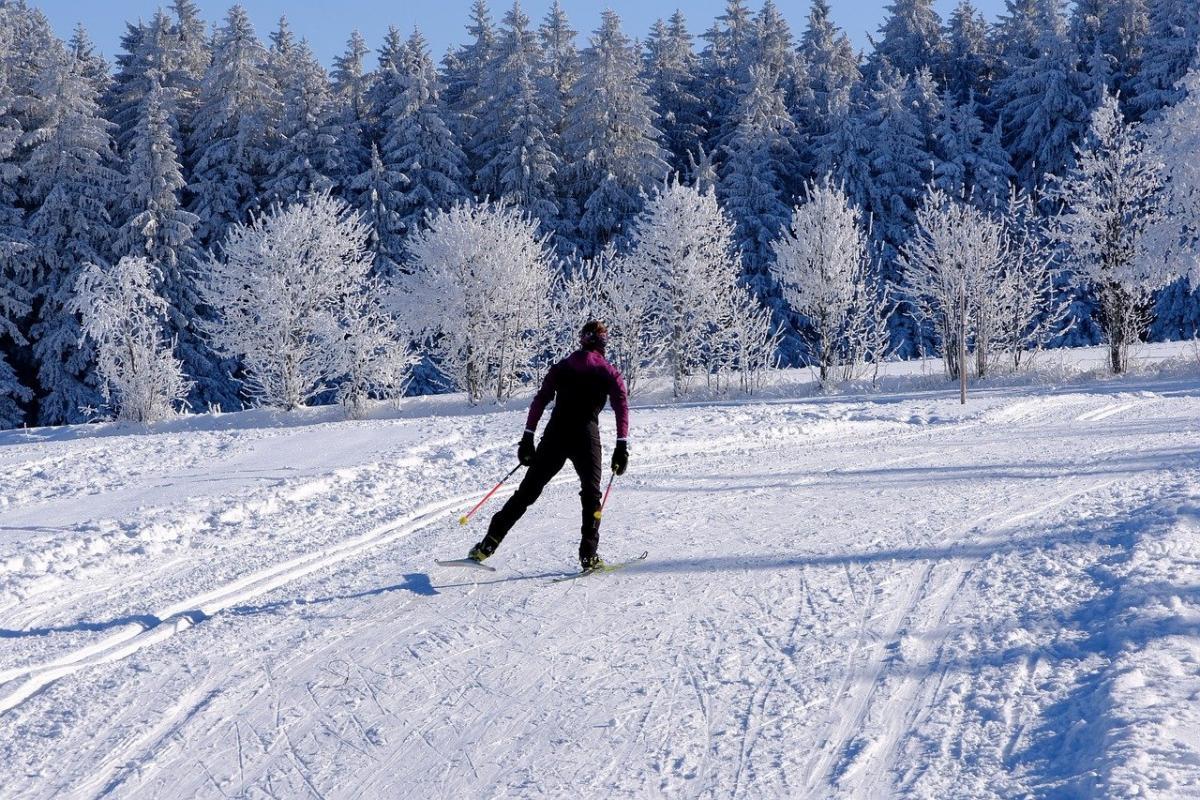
<point>861,595</point>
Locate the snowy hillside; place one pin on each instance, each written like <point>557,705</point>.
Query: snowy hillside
<point>871,596</point>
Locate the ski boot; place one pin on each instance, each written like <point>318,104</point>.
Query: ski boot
<point>591,564</point>
<point>478,553</point>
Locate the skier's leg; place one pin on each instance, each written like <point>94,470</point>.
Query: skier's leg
<point>547,461</point>
<point>586,458</point>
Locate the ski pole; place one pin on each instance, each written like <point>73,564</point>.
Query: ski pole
<point>465,518</point>
<point>600,511</point>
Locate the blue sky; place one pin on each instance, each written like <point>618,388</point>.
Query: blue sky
<point>327,25</point>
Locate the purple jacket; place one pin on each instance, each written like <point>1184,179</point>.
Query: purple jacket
<point>579,385</point>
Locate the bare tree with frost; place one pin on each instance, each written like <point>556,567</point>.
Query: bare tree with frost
<point>822,262</point>
<point>1109,200</point>
<point>371,358</point>
<point>282,283</point>
<point>683,247</point>
<point>953,268</point>
<point>478,295</point>
<point>122,313</point>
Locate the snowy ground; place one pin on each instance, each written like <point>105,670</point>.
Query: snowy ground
<point>857,596</point>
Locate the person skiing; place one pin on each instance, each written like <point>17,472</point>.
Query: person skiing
<point>579,385</point>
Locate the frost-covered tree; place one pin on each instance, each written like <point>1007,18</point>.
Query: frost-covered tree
<point>953,270</point>
<point>683,247</point>
<point>351,86</point>
<point>611,138</point>
<point>823,266</point>
<point>1172,246</point>
<point>370,357</point>
<point>122,312</point>
<point>478,295</point>
<point>72,189</point>
<point>230,144</point>
<point>418,143</point>
<point>466,73</point>
<point>1109,200</point>
<point>1042,98</point>
<point>305,159</point>
<point>281,283</point>
<point>194,56</point>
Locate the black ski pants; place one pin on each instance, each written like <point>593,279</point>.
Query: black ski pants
<point>579,444</point>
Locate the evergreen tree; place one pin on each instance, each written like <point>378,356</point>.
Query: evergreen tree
<point>753,179</point>
<point>1170,50</point>
<point>910,39</point>
<point>92,66</point>
<point>72,188</point>
<point>386,84</point>
<point>831,67</point>
<point>971,161</point>
<point>419,144</point>
<point>195,56</point>
<point>465,93</point>
<point>1042,98</point>
<point>15,256</point>
<point>1108,36</point>
<point>670,70</point>
<point>970,64</point>
<point>611,138</point>
<point>230,145</point>
<point>561,59</point>
<point>377,193</point>
<point>305,158</point>
<point>725,71</point>
<point>351,85</point>
<point>519,159</point>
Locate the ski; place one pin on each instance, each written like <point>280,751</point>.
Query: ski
<point>602,570</point>
<point>465,562</point>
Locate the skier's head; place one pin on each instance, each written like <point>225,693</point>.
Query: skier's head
<point>594,336</point>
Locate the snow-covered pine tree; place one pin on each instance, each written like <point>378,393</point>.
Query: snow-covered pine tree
<point>516,145</point>
<point>971,161</point>
<point>478,295</point>
<point>194,58</point>
<point>832,70</point>
<point>1108,36</point>
<point>377,196</point>
<point>92,66</point>
<point>157,228</point>
<point>122,312</point>
<point>971,55</point>
<point>1042,97</point>
<point>305,157</point>
<point>611,139</point>
<point>670,69</point>
<point>1109,200</point>
<point>72,187</point>
<point>758,158</point>
<point>561,64</point>
<point>725,70</point>
<point>386,83</point>
<point>823,265</point>
<point>910,40</point>
<point>280,286</point>
<point>1170,50</point>
<point>351,85</point>
<point>15,255</point>
<point>418,143</point>
<point>466,72</point>
<point>229,147</point>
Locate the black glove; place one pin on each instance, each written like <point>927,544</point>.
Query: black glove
<point>620,460</point>
<point>525,450</point>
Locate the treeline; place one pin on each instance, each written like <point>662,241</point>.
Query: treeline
<point>196,132</point>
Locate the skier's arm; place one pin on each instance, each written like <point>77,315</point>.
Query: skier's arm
<point>619,399</point>
<point>542,399</point>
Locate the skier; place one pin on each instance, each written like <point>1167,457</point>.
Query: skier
<point>579,386</point>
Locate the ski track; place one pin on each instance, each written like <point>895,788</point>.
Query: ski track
<point>820,579</point>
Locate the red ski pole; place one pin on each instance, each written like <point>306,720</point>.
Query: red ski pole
<point>600,511</point>
<point>465,518</point>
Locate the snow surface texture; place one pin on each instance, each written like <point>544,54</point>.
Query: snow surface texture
<point>877,596</point>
